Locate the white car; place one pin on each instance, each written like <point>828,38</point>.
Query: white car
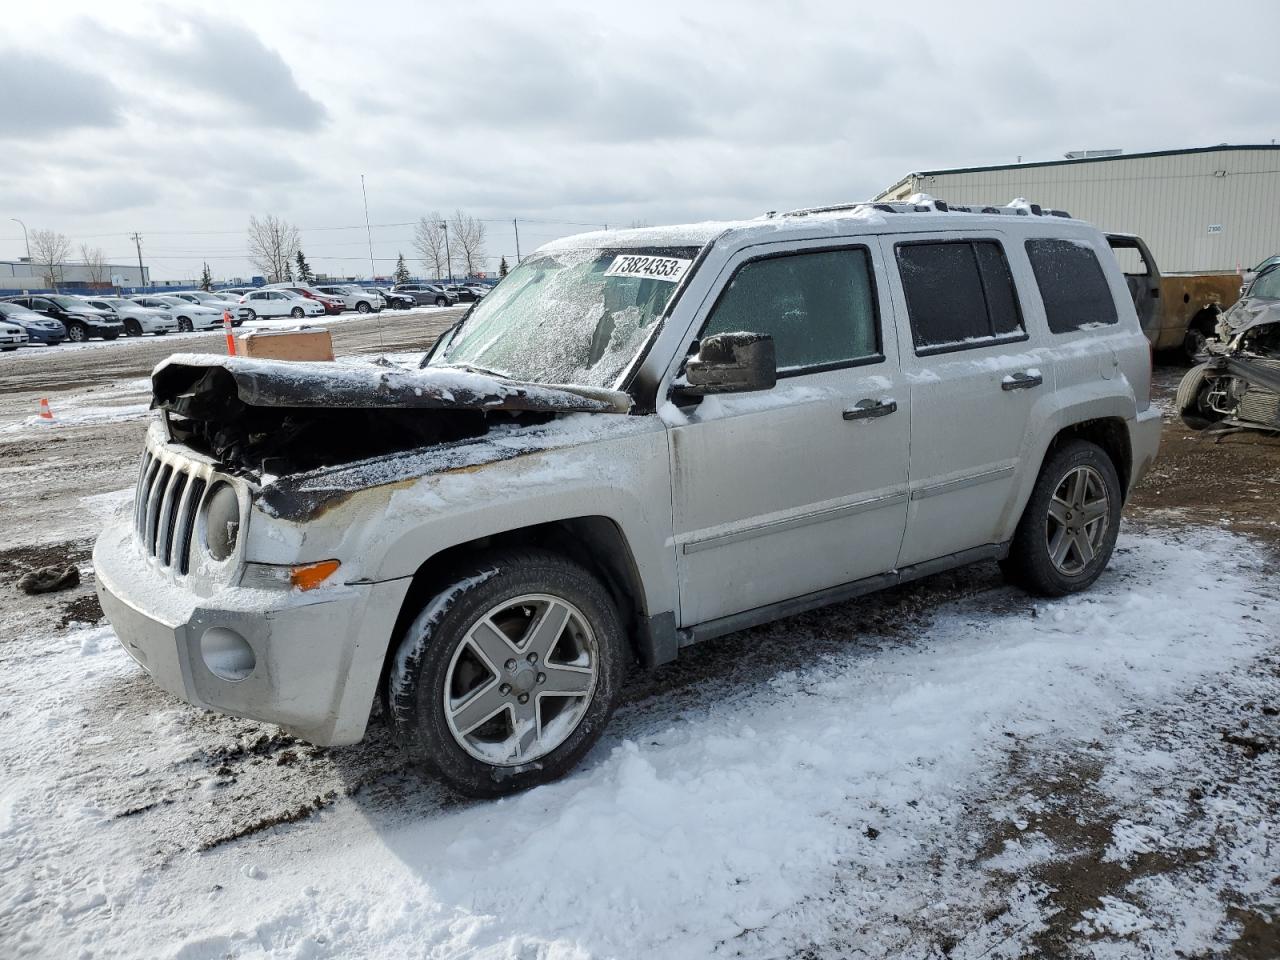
<point>278,303</point>
<point>137,320</point>
<point>190,316</point>
<point>12,337</point>
<point>203,298</point>
<point>355,297</point>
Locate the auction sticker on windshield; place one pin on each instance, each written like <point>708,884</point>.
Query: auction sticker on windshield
<point>670,269</point>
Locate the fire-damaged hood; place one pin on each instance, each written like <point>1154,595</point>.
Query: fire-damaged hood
<point>286,416</point>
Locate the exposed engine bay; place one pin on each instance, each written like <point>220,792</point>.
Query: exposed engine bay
<point>276,417</point>
<point>1238,387</point>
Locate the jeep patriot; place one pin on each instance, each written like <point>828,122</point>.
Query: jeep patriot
<point>639,440</point>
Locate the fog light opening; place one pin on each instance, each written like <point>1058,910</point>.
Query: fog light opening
<point>227,654</point>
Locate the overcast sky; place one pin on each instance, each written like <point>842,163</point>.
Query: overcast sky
<point>181,120</point>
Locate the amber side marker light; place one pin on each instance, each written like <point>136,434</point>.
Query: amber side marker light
<point>311,575</point>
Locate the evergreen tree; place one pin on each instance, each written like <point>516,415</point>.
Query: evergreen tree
<point>206,279</point>
<point>503,270</point>
<point>304,270</point>
<point>401,274</point>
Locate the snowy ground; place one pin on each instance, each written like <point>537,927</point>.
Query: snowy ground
<point>992,777</point>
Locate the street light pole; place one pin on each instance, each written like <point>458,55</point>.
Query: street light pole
<point>25,241</point>
<point>447,255</point>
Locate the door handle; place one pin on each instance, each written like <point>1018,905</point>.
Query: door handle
<point>1023,380</point>
<point>870,409</point>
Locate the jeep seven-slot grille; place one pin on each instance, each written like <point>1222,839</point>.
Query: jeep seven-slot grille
<point>164,511</point>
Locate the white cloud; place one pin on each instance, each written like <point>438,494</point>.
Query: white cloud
<point>166,119</point>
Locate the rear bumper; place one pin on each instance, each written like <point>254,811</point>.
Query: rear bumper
<point>1144,442</point>
<point>316,657</point>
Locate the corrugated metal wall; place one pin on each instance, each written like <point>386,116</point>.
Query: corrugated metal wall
<point>1198,212</point>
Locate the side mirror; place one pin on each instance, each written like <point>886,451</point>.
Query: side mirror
<point>731,363</point>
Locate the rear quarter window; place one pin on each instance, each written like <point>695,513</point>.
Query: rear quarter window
<point>1073,287</point>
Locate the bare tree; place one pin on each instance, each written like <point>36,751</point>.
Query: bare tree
<point>50,250</point>
<point>95,264</point>
<point>429,240</point>
<point>273,245</point>
<point>468,243</point>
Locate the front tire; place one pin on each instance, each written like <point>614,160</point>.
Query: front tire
<point>185,325</point>
<point>132,328</point>
<point>1192,400</point>
<point>77,333</point>
<point>363,307</point>
<point>1069,527</point>
<point>509,674</point>
<point>297,313</point>
<point>110,336</point>
<point>442,302</point>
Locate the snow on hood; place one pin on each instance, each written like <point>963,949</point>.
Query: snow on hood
<point>285,383</point>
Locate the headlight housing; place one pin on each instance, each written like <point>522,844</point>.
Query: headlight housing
<point>221,521</point>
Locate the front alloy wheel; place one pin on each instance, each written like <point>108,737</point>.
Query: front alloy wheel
<point>297,313</point>
<point>77,333</point>
<point>184,325</point>
<point>520,681</point>
<point>509,673</point>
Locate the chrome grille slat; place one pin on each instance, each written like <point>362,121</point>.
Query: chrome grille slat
<point>168,516</point>
<point>155,500</point>
<point>187,523</point>
<point>144,494</point>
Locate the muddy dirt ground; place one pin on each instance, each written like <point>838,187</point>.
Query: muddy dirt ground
<point>58,484</point>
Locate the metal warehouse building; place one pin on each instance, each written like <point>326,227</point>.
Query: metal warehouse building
<point>1201,210</point>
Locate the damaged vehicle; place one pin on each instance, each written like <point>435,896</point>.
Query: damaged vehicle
<point>638,441</point>
<point>1238,387</point>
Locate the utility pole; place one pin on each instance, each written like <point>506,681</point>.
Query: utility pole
<point>142,275</point>
<point>516,225</point>
<point>25,241</point>
<point>373,273</point>
<point>447,255</point>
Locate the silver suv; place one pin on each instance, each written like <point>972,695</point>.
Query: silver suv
<point>638,441</point>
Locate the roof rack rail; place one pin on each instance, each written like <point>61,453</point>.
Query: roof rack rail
<point>923,203</point>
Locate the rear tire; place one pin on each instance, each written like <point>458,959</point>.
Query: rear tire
<point>1192,400</point>
<point>250,315</point>
<point>1069,527</point>
<point>441,678</point>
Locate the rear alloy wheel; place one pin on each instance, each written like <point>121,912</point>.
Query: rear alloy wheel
<point>508,675</point>
<point>250,315</point>
<point>77,332</point>
<point>1069,527</point>
<point>297,313</point>
<point>185,325</point>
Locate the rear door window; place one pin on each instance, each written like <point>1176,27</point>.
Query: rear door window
<point>960,294</point>
<point>1072,285</point>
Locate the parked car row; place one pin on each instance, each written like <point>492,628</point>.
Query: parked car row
<point>52,318</point>
<point>441,294</point>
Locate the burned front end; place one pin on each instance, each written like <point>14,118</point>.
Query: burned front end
<point>1238,387</point>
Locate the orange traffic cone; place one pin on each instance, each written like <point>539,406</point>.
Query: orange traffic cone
<point>45,412</point>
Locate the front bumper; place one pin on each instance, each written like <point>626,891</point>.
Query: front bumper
<point>317,656</point>
<point>50,337</point>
